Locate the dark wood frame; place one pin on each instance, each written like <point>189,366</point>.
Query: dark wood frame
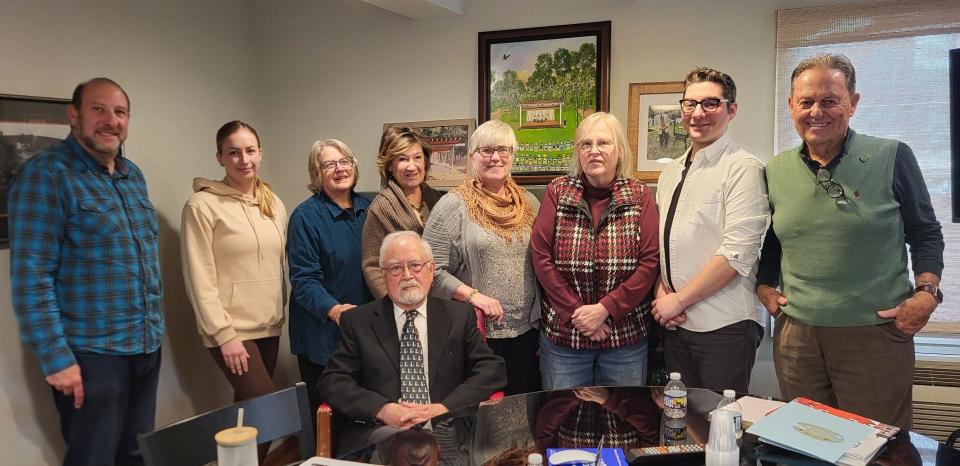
<point>600,29</point>
<point>4,233</point>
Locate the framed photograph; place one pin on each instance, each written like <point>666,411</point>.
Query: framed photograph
<point>27,126</point>
<point>448,138</point>
<point>653,127</point>
<point>544,81</point>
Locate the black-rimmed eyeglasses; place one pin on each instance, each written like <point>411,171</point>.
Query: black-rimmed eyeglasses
<point>834,189</point>
<point>710,104</point>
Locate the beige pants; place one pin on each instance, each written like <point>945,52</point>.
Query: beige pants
<point>864,370</point>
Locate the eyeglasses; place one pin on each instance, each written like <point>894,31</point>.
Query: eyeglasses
<point>331,165</point>
<point>396,270</point>
<point>603,145</point>
<point>708,105</point>
<point>834,190</point>
<point>487,152</point>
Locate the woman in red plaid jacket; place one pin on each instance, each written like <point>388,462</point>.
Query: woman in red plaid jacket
<point>595,251</point>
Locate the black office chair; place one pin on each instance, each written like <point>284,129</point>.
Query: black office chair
<point>952,439</point>
<point>190,441</point>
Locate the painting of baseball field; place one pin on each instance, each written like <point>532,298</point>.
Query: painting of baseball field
<point>544,89</point>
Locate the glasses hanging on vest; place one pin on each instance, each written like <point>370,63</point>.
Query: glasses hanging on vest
<point>834,189</point>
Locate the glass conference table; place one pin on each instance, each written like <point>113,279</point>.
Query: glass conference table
<point>504,432</point>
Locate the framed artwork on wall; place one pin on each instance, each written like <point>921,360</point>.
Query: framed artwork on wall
<point>28,125</point>
<point>543,81</point>
<point>654,130</point>
<point>449,162</point>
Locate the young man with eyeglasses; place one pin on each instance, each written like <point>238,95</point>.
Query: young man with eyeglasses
<point>845,206</point>
<point>713,212</point>
<point>408,357</point>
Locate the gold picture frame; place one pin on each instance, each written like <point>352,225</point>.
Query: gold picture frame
<point>654,112</point>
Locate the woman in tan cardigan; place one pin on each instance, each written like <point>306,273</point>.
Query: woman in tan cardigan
<point>405,201</point>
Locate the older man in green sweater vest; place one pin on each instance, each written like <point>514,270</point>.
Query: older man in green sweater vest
<point>845,206</point>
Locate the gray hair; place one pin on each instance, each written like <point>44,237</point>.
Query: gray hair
<point>399,236</point>
<point>620,144</point>
<point>314,159</point>
<point>830,61</point>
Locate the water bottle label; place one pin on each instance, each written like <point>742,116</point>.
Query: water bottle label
<point>736,423</point>
<point>675,401</point>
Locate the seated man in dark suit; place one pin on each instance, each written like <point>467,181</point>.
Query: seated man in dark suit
<point>407,358</point>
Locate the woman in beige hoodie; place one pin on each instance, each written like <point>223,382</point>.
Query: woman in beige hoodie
<point>232,236</point>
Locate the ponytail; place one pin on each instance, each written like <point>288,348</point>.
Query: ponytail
<point>265,199</point>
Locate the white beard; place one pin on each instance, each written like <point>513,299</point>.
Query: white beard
<point>409,296</point>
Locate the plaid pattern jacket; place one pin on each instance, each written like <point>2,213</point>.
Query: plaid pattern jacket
<point>84,266</point>
<point>596,262</point>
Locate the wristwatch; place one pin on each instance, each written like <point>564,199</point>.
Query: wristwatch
<point>931,288</point>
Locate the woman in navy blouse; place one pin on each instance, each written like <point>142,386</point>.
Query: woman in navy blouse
<point>323,252</point>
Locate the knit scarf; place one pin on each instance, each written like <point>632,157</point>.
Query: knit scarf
<point>508,216</point>
<point>399,213</point>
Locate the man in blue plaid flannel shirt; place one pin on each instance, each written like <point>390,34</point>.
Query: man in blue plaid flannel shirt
<point>86,279</point>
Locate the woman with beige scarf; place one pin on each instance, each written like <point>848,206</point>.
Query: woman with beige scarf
<point>403,204</point>
<point>480,235</point>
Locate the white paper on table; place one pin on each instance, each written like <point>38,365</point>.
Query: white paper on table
<point>861,454</point>
<point>755,409</point>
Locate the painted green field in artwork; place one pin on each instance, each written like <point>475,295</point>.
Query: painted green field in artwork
<point>536,153</point>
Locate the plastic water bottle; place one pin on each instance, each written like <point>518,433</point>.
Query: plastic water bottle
<point>673,431</point>
<point>675,397</point>
<point>534,459</point>
<point>730,403</point>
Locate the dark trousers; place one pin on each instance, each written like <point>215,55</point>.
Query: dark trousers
<point>120,400</point>
<point>258,380</point>
<point>520,353</point>
<point>310,374</point>
<point>718,359</point>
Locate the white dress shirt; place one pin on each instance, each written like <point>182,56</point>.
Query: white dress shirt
<point>722,210</point>
<point>421,323</point>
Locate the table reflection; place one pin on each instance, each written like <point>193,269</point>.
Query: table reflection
<point>506,431</point>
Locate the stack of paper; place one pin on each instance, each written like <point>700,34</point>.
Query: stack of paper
<point>823,432</point>
<point>755,409</point>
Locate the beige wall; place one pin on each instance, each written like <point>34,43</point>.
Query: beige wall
<point>188,67</point>
<point>342,68</point>
<point>299,70</point>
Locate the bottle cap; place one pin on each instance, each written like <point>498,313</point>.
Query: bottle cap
<point>729,394</point>
<point>535,458</point>
<point>674,376</point>
<point>236,436</point>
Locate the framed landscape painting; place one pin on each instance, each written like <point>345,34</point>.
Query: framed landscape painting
<point>449,162</point>
<point>654,130</point>
<point>28,125</point>
<point>544,81</point>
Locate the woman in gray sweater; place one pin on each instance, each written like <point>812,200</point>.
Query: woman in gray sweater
<point>480,235</point>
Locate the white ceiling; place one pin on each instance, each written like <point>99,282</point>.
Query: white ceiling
<point>422,9</point>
